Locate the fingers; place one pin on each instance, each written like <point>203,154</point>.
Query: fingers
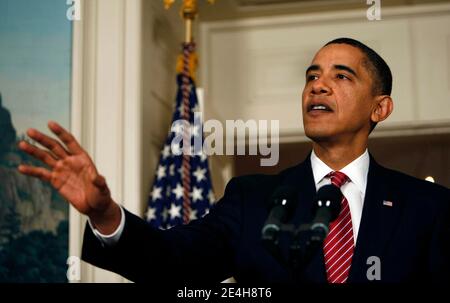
<point>38,172</point>
<point>54,146</point>
<point>38,153</point>
<point>66,137</point>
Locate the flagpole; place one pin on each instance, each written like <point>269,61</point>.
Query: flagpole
<point>188,37</point>
<point>189,12</point>
<point>187,70</point>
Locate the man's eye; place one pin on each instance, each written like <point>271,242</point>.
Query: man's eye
<point>342,77</point>
<point>311,77</point>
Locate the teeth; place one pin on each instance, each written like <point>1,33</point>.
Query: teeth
<point>319,107</point>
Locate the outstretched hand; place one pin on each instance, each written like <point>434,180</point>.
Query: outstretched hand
<point>71,172</point>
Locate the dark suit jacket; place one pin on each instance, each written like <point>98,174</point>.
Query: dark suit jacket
<point>411,238</point>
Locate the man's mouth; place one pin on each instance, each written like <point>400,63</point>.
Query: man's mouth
<point>319,107</point>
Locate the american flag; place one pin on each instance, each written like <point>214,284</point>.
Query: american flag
<point>182,189</point>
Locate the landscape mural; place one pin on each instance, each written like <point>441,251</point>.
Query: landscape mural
<point>35,69</point>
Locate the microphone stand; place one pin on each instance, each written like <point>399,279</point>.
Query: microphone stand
<point>308,237</point>
<point>303,246</point>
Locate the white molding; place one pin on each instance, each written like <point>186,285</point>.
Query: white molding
<point>292,5</point>
<point>83,110</point>
<point>132,102</point>
<point>106,106</point>
<point>352,14</point>
<point>396,130</point>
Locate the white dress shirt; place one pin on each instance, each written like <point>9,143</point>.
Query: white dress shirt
<point>113,238</point>
<point>354,190</point>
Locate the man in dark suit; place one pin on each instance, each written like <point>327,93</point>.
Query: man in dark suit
<point>395,222</point>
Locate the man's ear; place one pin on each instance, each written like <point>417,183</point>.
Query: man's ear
<point>383,108</point>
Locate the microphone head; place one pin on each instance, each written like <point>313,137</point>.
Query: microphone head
<point>285,197</point>
<point>329,197</point>
<point>284,192</point>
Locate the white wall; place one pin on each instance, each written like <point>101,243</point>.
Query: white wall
<point>254,68</point>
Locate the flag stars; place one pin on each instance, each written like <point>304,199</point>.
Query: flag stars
<point>161,173</point>
<point>166,151</point>
<point>193,215</point>
<point>199,174</point>
<point>197,194</point>
<point>168,190</point>
<point>203,157</point>
<point>178,191</point>
<point>181,109</point>
<point>151,215</point>
<point>156,193</point>
<point>174,211</point>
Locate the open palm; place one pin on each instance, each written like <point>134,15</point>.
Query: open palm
<point>71,171</point>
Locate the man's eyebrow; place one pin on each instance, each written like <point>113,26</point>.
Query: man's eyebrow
<point>313,67</point>
<point>316,67</point>
<point>346,68</point>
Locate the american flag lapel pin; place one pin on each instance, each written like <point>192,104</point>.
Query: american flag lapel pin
<point>388,203</point>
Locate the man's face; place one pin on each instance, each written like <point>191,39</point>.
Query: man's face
<point>337,99</point>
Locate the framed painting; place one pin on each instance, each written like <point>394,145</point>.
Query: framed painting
<point>35,73</point>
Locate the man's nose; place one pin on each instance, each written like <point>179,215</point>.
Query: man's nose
<point>320,87</point>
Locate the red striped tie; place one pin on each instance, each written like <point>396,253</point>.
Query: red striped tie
<point>338,245</point>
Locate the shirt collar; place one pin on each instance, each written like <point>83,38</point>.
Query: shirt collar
<point>357,170</point>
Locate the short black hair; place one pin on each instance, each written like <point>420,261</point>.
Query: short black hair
<point>382,76</point>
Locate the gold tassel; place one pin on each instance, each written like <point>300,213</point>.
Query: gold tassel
<point>193,62</point>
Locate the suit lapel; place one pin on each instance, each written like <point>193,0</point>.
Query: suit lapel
<point>378,221</point>
<point>302,179</point>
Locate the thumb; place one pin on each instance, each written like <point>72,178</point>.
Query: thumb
<point>100,182</point>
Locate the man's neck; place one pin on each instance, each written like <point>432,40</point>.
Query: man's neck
<point>338,156</point>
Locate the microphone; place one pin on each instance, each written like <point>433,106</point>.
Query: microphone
<point>283,202</point>
<point>327,208</point>
<point>309,237</point>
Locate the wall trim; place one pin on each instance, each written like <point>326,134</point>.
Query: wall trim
<point>83,110</point>
<point>351,14</point>
<point>398,130</point>
<point>107,99</point>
